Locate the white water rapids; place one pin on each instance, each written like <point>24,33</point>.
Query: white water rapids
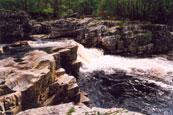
<point>156,70</point>
<point>94,60</point>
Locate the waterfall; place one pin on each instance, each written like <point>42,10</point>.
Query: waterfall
<point>138,84</point>
<point>94,60</point>
<point>106,79</point>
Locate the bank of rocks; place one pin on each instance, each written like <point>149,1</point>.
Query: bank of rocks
<point>14,26</point>
<point>38,76</point>
<point>116,37</point>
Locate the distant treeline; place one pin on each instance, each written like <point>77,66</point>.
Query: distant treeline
<point>158,11</point>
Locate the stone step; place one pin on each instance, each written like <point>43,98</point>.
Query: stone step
<point>84,98</point>
<point>66,79</point>
<point>59,72</point>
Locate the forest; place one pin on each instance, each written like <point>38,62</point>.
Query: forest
<point>157,11</point>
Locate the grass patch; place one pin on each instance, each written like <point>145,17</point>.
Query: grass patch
<point>149,35</point>
<point>122,23</point>
<point>131,34</point>
<point>99,19</point>
<point>71,110</point>
<point>118,36</point>
<point>98,113</point>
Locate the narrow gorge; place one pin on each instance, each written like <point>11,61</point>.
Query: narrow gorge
<point>84,66</point>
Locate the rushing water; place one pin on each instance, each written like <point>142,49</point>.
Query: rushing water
<point>94,59</point>
<point>137,84</point>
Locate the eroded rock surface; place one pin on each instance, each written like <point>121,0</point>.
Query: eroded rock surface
<point>71,109</point>
<point>135,93</point>
<point>129,37</point>
<point>116,37</point>
<point>38,75</point>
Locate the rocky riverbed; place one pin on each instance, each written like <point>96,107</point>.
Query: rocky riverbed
<point>50,65</point>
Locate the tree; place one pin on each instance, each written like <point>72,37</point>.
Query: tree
<point>157,11</point>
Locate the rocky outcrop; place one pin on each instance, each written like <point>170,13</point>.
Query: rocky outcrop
<point>130,91</point>
<point>38,75</point>
<point>116,37</point>
<point>14,26</point>
<point>70,109</point>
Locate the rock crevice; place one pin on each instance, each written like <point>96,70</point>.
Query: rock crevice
<point>38,76</point>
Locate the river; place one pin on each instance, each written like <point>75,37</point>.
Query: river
<point>138,84</point>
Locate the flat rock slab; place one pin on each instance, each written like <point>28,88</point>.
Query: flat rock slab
<point>70,109</point>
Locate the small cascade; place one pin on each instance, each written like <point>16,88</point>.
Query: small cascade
<point>94,60</point>
<point>50,43</point>
<point>143,85</point>
<point>139,84</point>
<point>87,56</point>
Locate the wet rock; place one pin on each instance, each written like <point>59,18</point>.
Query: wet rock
<point>111,31</point>
<point>132,37</point>
<point>120,46</point>
<point>130,91</point>
<point>170,55</point>
<point>109,43</point>
<point>63,28</point>
<point>133,48</point>
<point>90,36</point>
<point>110,23</point>
<point>40,27</point>
<point>69,108</point>
<point>84,100</point>
<point>14,26</point>
<point>85,21</point>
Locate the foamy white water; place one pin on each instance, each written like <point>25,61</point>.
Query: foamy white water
<point>94,60</point>
<point>59,43</point>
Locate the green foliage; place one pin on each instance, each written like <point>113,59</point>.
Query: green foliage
<point>72,109</point>
<point>148,35</point>
<point>122,23</point>
<point>149,10</point>
<point>49,9</point>
<point>87,7</point>
<point>98,113</point>
<point>118,36</point>
<point>131,33</point>
<point>160,11</point>
<point>99,19</point>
